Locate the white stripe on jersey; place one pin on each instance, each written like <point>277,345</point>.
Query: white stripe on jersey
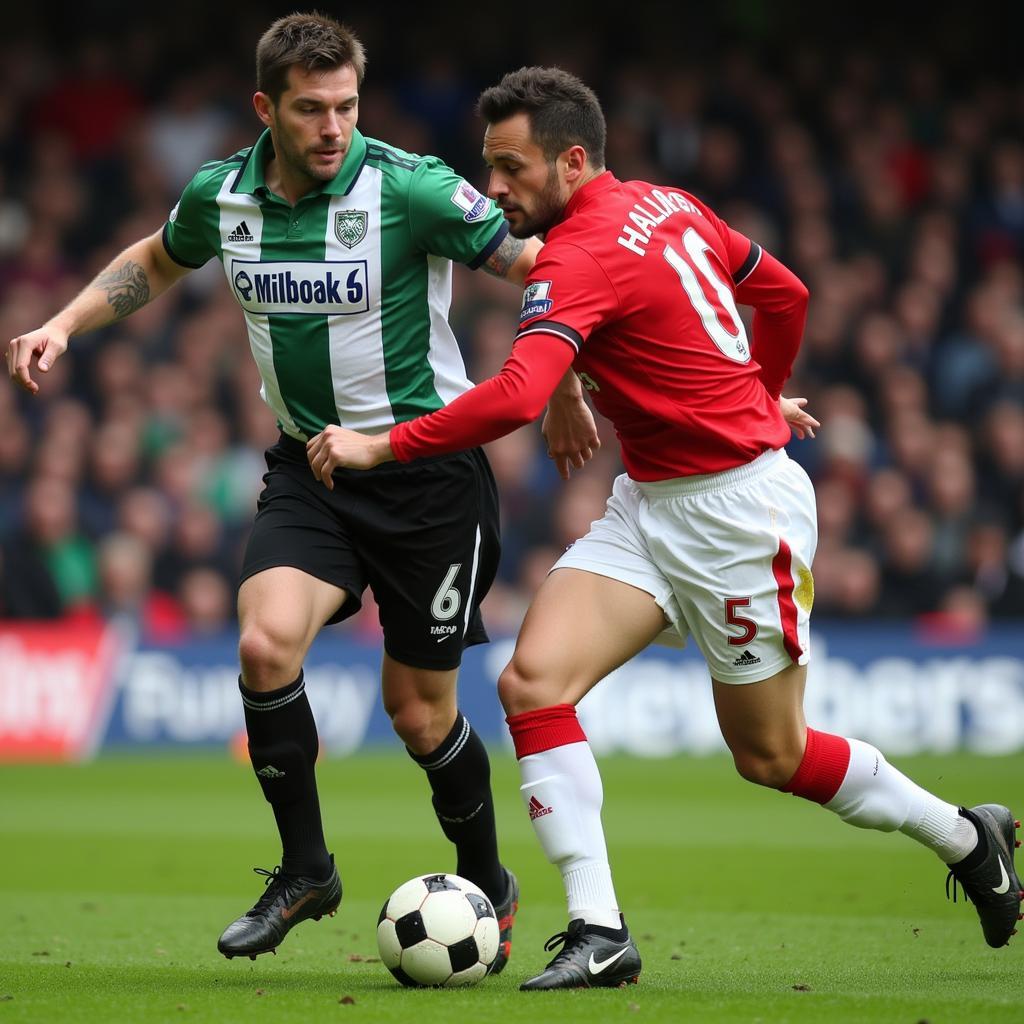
<point>356,342</point>
<point>445,359</point>
<point>234,208</point>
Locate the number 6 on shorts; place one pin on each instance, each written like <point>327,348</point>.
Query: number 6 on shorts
<point>447,600</point>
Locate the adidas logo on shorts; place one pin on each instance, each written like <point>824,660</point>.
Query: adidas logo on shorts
<point>746,658</point>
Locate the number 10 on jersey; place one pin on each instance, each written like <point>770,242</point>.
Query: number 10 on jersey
<point>731,343</point>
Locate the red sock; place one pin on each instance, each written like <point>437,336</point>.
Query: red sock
<point>536,731</point>
<point>822,769</point>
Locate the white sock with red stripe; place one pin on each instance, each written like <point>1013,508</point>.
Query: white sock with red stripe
<point>854,780</point>
<point>562,791</point>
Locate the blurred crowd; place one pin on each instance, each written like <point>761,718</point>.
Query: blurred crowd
<point>893,186</point>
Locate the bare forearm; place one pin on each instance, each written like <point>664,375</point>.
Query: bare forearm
<point>513,259</point>
<point>569,387</point>
<point>131,280</point>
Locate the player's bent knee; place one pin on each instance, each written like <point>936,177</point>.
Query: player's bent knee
<point>422,727</point>
<point>519,691</point>
<point>267,661</point>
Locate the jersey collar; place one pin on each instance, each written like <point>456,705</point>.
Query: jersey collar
<point>595,187</point>
<point>251,181</point>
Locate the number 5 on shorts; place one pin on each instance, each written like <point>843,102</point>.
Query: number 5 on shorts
<point>749,626</point>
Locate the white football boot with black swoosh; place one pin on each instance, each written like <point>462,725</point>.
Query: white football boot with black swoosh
<point>987,875</point>
<point>590,957</point>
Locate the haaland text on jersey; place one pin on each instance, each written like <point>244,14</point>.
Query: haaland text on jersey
<point>312,287</point>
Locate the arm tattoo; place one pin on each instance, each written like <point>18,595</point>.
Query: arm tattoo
<point>127,288</point>
<point>500,261</point>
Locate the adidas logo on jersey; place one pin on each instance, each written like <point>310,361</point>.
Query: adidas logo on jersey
<point>746,658</point>
<point>241,233</point>
<point>270,772</point>
<point>537,809</point>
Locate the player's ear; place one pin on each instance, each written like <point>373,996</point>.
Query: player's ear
<point>264,107</point>
<point>574,160</point>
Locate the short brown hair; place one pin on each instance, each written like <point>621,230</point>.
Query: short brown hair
<point>563,111</point>
<point>313,42</point>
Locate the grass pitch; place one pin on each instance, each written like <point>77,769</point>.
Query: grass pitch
<point>118,876</point>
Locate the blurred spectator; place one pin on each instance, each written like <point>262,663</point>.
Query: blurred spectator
<point>92,106</point>
<point>988,570</point>
<point>185,131</point>
<point>114,463</point>
<point>126,594</point>
<point>858,585</point>
<point>951,493</point>
<point>910,585</point>
<point>198,541</point>
<point>49,567</point>
<point>206,600</point>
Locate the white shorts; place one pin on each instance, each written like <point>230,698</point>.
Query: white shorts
<point>727,556</point>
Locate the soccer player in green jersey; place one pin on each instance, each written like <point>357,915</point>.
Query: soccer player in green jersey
<point>338,248</point>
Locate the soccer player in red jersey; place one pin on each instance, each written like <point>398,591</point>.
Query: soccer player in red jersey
<point>710,532</point>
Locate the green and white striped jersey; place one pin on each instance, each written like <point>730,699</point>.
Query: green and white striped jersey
<point>346,294</point>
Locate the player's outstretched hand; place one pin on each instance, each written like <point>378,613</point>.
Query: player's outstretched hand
<point>571,434</point>
<point>339,448</point>
<point>49,343</point>
<point>802,423</point>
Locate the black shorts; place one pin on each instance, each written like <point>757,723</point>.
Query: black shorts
<point>423,535</point>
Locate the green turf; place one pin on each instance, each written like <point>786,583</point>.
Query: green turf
<point>747,906</point>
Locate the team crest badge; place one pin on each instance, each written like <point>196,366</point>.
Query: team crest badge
<point>350,227</point>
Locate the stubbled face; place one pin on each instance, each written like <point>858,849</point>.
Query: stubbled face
<point>527,187</point>
<point>312,122</point>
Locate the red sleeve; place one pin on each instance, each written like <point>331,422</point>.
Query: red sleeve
<point>779,299</point>
<point>567,294</point>
<point>515,396</point>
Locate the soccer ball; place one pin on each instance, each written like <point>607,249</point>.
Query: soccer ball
<point>438,930</point>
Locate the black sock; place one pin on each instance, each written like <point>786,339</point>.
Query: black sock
<point>283,745</point>
<point>460,777</point>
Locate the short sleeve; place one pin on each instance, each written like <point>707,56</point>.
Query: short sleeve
<point>449,217</point>
<point>185,234</point>
<point>567,294</point>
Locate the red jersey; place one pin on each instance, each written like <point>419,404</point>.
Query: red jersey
<point>641,282</point>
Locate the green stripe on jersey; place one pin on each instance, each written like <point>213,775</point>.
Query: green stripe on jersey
<point>301,343</point>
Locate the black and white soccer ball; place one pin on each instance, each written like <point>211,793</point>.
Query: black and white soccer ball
<point>438,930</point>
